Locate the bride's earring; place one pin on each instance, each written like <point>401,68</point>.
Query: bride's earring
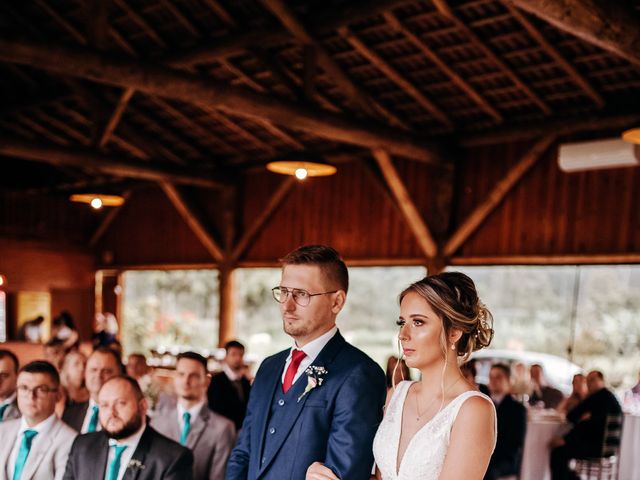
<point>453,346</point>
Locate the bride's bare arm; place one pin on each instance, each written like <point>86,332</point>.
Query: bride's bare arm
<point>472,441</point>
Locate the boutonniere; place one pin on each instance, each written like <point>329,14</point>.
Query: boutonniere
<point>135,465</point>
<point>315,377</point>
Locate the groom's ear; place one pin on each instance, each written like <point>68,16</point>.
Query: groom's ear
<point>339,298</point>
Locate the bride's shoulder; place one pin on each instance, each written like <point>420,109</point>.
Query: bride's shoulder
<point>476,406</point>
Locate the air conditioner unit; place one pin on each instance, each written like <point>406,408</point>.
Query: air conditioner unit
<point>597,154</point>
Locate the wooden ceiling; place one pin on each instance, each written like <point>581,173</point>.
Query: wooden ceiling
<point>111,93</point>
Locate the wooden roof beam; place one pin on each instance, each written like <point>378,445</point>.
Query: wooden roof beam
<point>577,77</point>
<point>196,226</point>
<point>395,76</point>
<point>448,13</point>
<point>475,219</point>
<point>85,158</point>
<point>409,210</point>
<point>465,86</point>
<point>195,89</point>
<point>612,26</point>
<point>354,94</point>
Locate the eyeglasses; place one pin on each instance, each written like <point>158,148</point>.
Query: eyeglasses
<point>300,296</point>
<point>40,391</point>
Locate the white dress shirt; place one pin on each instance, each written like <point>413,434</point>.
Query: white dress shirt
<point>42,428</point>
<point>231,375</point>
<point>7,401</point>
<point>132,443</point>
<point>194,411</point>
<point>312,349</point>
<point>87,418</point>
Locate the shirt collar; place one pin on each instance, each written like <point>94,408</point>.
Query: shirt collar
<point>131,441</point>
<point>10,399</point>
<point>42,428</point>
<point>230,373</point>
<point>497,399</point>
<point>193,411</point>
<point>314,347</point>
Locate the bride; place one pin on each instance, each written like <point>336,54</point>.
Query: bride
<point>441,427</point>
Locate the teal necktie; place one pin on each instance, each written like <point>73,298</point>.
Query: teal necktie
<point>23,453</point>
<point>114,467</point>
<point>3,408</point>
<point>93,421</point>
<point>186,427</point>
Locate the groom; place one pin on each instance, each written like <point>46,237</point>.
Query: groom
<point>321,400</point>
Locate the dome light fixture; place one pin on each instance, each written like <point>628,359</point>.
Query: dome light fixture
<point>301,169</point>
<point>98,200</point>
<point>632,135</point>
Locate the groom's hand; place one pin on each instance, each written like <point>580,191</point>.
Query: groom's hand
<point>317,471</point>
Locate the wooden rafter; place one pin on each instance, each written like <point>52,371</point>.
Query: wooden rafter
<point>448,12</point>
<point>475,219</point>
<point>84,158</point>
<point>354,94</point>
<point>465,86</point>
<point>411,214</point>
<point>254,229</point>
<point>108,220</point>
<point>612,26</point>
<point>577,77</point>
<point>192,221</point>
<point>385,67</point>
<point>161,81</point>
<point>115,117</point>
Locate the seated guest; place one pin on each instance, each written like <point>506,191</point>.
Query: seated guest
<point>512,425</point>
<point>137,366</point>
<point>8,376</point>
<point>229,390</point>
<point>72,380</point>
<point>396,371</point>
<point>469,371</point>
<point>31,330</point>
<point>54,352</point>
<point>578,393</point>
<point>586,438</point>
<point>36,446</point>
<point>105,330</point>
<point>138,369</point>
<point>63,329</point>
<point>209,436</point>
<point>102,365</point>
<point>126,444</point>
<point>541,393</point>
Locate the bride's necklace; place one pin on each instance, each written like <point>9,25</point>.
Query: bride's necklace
<point>419,415</point>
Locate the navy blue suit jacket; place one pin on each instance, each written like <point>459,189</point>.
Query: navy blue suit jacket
<point>334,423</point>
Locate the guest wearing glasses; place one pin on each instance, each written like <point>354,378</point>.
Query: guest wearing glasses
<point>8,376</point>
<point>36,446</point>
<point>126,447</point>
<point>209,436</point>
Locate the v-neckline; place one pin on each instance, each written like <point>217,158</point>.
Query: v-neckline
<point>398,466</point>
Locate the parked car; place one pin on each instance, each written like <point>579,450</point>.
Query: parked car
<point>558,371</point>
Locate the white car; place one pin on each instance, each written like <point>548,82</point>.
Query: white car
<point>557,371</point>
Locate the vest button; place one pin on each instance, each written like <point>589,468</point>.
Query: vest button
<point>263,459</point>
<point>272,430</point>
<point>281,402</point>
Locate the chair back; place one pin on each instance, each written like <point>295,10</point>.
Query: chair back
<point>612,435</point>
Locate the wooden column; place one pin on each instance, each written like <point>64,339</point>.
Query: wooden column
<point>226,312</point>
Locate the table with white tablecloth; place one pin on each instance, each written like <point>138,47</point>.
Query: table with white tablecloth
<point>535,457</point>
<point>629,467</point>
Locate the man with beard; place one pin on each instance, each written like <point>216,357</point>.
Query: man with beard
<point>209,436</point>
<point>102,365</point>
<point>126,443</point>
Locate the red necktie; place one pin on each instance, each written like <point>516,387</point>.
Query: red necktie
<point>296,358</point>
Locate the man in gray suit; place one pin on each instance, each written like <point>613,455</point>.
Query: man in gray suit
<point>8,375</point>
<point>102,365</point>
<point>210,436</point>
<point>36,446</point>
<point>126,448</point>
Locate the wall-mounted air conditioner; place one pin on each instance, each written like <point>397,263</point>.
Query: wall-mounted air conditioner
<point>597,154</point>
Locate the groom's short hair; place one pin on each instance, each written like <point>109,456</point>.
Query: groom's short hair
<point>327,258</point>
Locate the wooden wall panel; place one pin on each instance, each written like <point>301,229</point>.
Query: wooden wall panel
<point>149,231</point>
<point>549,212</point>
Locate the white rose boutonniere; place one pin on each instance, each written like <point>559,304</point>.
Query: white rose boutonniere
<point>135,465</point>
<point>315,377</point>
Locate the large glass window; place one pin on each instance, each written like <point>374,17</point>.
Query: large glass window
<point>170,310</point>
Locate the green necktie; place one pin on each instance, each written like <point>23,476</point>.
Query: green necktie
<point>114,467</point>
<point>93,421</point>
<point>3,408</point>
<point>186,427</point>
<point>23,453</point>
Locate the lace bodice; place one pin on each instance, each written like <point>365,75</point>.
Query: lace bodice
<point>425,454</point>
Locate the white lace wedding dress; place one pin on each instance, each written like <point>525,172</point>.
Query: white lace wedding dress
<point>425,454</point>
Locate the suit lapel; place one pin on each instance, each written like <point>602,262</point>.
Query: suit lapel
<point>98,461</point>
<point>144,445</point>
<point>198,427</point>
<point>6,445</point>
<point>37,453</point>
<point>295,406</point>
